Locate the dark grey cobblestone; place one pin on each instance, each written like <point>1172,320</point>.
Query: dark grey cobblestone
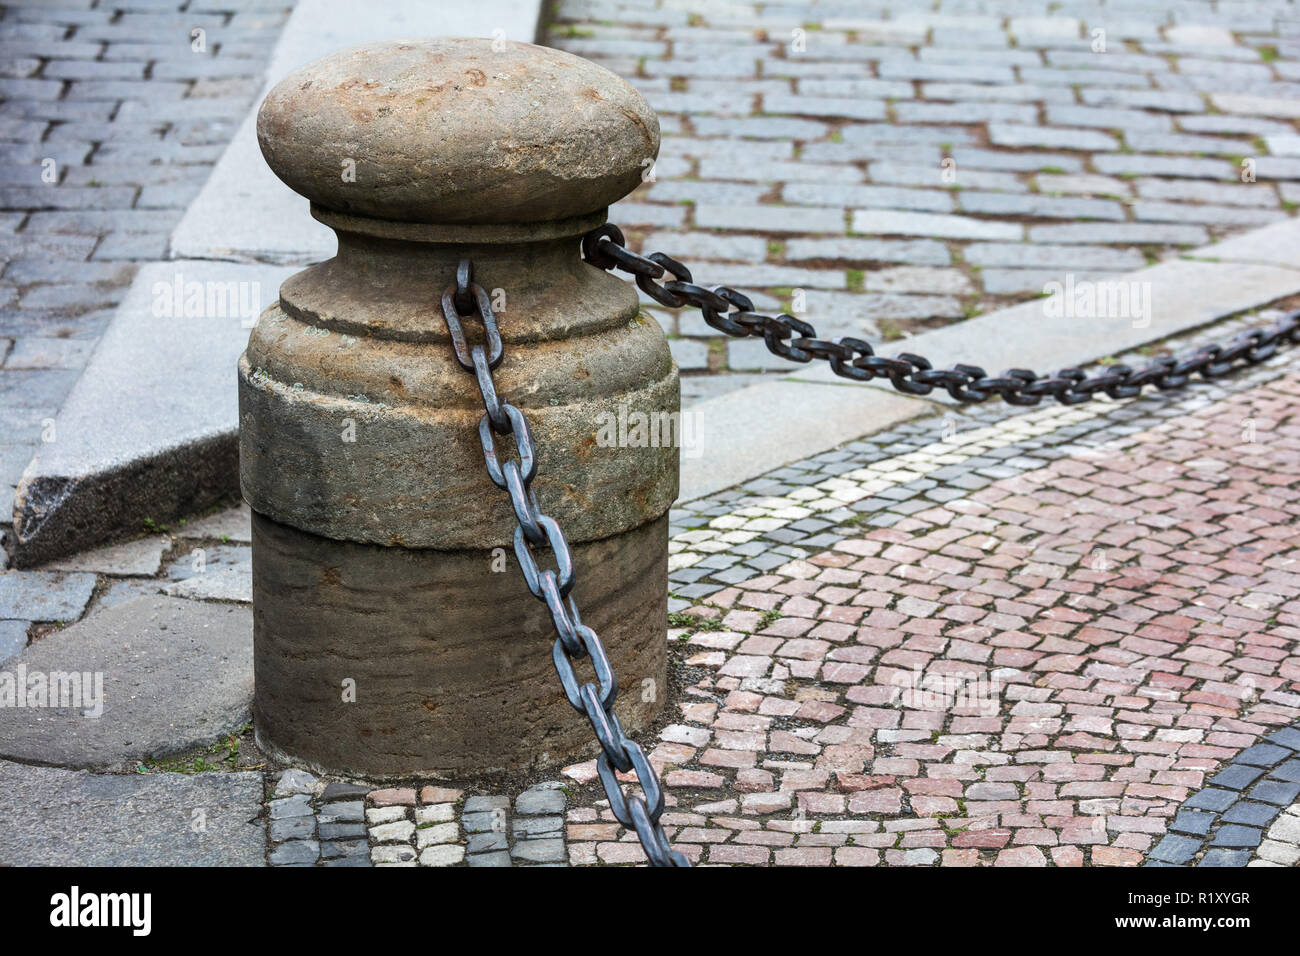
<point>1106,159</point>
<point>114,96</point>
<point>1244,812</point>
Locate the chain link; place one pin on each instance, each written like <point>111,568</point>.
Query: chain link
<point>733,313</point>
<point>574,640</point>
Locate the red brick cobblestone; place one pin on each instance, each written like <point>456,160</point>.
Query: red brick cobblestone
<point>1132,608</point>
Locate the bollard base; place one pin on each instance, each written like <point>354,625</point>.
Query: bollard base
<point>385,663</point>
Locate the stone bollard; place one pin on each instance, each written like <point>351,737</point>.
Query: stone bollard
<point>394,635</point>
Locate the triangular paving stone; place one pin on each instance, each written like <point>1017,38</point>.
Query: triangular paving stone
<point>52,817</point>
<point>177,676</point>
<point>142,557</point>
<point>232,524</point>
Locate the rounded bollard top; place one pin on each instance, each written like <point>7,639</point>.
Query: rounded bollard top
<point>446,130</point>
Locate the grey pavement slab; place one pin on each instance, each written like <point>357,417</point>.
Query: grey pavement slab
<point>749,431</point>
<point>232,524</point>
<point>1182,295</point>
<point>166,677</point>
<point>223,584</point>
<point>142,557</point>
<point>44,595</point>
<point>273,224</point>
<point>1275,245</point>
<point>13,638</point>
<point>149,430</point>
<point>53,817</point>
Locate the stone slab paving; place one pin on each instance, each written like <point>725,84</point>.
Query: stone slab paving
<point>734,439</point>
<point>877,169</point>
<point>111,118</point>
<point>51,817</point>
<point>1020,641</point>
<point>151,678</point>
<point>204,559</point>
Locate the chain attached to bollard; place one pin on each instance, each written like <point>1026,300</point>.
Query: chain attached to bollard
<point>852,358</point>
<point>640,812</point>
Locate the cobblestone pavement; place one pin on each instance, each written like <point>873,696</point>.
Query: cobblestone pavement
<point>112,117</point>
<point>993,636</point>
<point>1064,636</point>
<point>881,168</point>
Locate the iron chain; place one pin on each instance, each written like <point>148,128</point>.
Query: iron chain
<point>574,640</point>
<point>732,312</point>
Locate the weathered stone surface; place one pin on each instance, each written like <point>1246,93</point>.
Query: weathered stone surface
<point>550,800</point>
<point>140,557</point>
<point>232,524</point>
<point>273,224</point>
<point>176,676</point>
<point>463,678</point>
<point>225,584</point>
<point>509,161</point>
<point>295,781</point>
<point>44,595</point>
<point>13,638</point>
<point>295,851</point>
<point>52,817</point>
<point>343,791</point>
<point>292,828</point>
<point>414,413</point>
<point>539,851</point>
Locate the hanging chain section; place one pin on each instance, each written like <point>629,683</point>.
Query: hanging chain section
<point>574,640</point>
<point>732,312</point>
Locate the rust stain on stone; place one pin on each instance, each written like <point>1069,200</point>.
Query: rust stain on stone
<point>638,122</point>
<point>356,83</point>
<point>584,448</point>
<point>476,77</point>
